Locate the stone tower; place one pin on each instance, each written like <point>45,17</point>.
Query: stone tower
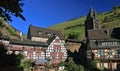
<point>91,21</point>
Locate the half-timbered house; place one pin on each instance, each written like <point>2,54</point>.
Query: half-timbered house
<point>56,50</point>
<point>41,43</point>
<point>42,34</point>
<point>103,45</point>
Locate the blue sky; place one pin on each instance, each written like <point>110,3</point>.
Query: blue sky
<point>45,13</point>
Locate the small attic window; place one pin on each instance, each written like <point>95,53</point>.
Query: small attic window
<point>107,32</point>
<point>55,34</point>
<point>39,32</point>
<point>49,34</point>
<point>57,40</point>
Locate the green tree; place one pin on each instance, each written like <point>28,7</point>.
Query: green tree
<point>94,63</point>
<point>11,7</point>
<point>9,60</point>
<point>73,35</point>
<point>61,63</point>
<point>20,59</point>
<point>116,7</point>
<point>26,64</point>
<point>71,66</point>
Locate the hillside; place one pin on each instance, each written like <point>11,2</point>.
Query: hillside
<point>109,19</point>
<point>7,30</point>
<point>71,28</point>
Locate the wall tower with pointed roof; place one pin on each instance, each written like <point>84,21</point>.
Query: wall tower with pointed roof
<point>91,21</point>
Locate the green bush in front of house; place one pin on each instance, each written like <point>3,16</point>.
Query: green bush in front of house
<point>94,63</point>
<point>71,66</point>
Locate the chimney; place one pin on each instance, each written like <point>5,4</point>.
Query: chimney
<point>21,37</point>
<point>108,33</point>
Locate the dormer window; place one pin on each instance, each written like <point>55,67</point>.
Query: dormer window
<point>48,34</point>
<point>55,34</point>
<point>39,32</point>
<point>57,40</point>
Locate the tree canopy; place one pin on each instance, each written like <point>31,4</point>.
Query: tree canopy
<point>11,7</point>
<point>73,35</point>
<point>116,7</point>
<point>70,65</point>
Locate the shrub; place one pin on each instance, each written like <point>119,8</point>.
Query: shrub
<point>11,31</point>
<point>71,66</point>
<point>116,7</point>
<point>94,63</point>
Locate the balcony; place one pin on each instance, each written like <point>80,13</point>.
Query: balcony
<point>104,57</point>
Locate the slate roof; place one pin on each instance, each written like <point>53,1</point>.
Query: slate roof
<point>32,43</point>
<point>33,32</point>
<point>50,40</point>
<point>99,34</point>
<point>28,42</point>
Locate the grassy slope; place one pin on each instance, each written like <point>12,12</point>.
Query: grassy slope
<point>6,29</point>
<point>73,25</point>
<point>77,25</point>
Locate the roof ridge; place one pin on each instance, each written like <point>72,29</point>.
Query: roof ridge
<point>42,28</point>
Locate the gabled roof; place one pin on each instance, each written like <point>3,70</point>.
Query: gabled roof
<point>113,33</point>
<point>34,32</point>
<point>29,43</point>
<point>50,40</point>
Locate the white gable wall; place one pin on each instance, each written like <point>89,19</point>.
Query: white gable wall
<point>56,50</point>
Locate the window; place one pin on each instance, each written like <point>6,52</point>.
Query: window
<point>53,54</point>
<point>103,43</point>
<point>49,34</point>
<point>30,54</point>
<point>56,34</point>
<point>110,43</point>
<point>57,40</point>
<point>37,49</point>
<point>57,47</point>
<point>100,43</point>
<point>109,53</point>
<point>40,32</point>
<point>118,52</point>
<point>38,54</point>
<point>101,52</point>
<point>62,50</point>
<point>61,54</point>
<point>118,42</point>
